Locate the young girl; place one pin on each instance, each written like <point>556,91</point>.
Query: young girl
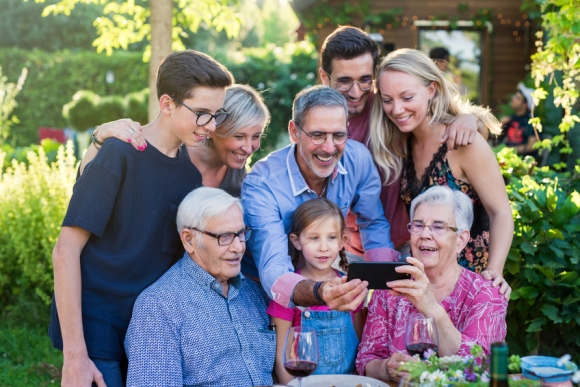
<point>318,235</point>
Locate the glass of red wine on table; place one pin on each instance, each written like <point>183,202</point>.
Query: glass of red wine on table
<point>301,352</point>
<point>421,335</point>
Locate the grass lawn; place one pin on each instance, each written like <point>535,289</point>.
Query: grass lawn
<point>27,357</point>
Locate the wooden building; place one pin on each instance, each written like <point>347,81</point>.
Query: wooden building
<point>490,41</point>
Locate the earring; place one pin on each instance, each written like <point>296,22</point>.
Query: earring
<point>429,108</point>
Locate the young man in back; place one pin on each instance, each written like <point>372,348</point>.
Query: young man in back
<point>119,234</point>
<point>348,60</point>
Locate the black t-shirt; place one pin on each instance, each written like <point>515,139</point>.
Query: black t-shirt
<point>128,200</point>
<point>518,130</point>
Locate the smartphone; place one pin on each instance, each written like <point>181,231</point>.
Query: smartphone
<point>376,273</point>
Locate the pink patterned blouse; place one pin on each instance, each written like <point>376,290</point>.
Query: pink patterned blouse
<point>476,309</point>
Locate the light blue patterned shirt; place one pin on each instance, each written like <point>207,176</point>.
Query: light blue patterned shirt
<point>275,187</point>
<point>184,332</point>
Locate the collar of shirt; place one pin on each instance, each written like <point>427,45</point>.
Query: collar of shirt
<point>297,180</point>
<point>206,280</point>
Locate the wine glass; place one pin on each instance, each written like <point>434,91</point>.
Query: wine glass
<point>300,352</point>
<point>421,335</point>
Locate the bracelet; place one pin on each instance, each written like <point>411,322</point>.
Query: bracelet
<point>316,294</point>
<point>94,137</point>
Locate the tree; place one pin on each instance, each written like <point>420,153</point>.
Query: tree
<point>559,52</point>
<point>132,21</point>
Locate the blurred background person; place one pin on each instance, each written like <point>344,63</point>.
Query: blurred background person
<point>518,132</point>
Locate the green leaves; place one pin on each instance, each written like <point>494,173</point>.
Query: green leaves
<point>552,312</point>
<point>544,260</point>
<point>527,292</point>
<point>33,201</point>
<point>123,23</point>
<point>536,325</point>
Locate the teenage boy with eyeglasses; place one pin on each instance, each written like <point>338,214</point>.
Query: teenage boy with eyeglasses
<point>348,60</point>
<point>119,234</point>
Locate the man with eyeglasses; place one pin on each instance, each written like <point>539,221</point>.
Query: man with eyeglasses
<point>348,60</point>
<point>203,323</point>
<point>321,162</point>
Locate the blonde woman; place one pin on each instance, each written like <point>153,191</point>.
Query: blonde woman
<point>415,103</point>
<point>222,157</point>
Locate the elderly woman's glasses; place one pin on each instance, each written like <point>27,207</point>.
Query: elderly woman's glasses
<point>345,84</point>
<point>319,138</point>
<point>227,238</point>
<point>437,228</point>
<point>203,118</point>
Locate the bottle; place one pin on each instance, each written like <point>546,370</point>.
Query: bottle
<point>498,370</point>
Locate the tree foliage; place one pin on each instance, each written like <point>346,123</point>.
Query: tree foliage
<point>126,22</point>
<point>559,51</point>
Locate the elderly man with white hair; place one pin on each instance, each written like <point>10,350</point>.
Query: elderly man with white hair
<point>203,323</point>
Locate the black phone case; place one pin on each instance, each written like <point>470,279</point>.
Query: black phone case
<point>376,273</point>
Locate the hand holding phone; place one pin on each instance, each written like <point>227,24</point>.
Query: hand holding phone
<point>377,273</point>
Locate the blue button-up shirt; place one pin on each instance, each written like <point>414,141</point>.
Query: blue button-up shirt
<point>275,187</point>
<point>184,332</point>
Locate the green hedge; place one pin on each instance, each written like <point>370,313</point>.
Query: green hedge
<point>53,79</point>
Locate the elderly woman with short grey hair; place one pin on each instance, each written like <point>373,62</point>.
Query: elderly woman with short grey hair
<point>466,308</point>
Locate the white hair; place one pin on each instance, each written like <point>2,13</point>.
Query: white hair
<point>203,204</point>
<point>460,202</point>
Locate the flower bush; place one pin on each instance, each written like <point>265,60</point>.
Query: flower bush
<point>472,370</point>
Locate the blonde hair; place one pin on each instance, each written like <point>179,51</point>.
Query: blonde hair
<point>245,107</point>
<point>388,143</point>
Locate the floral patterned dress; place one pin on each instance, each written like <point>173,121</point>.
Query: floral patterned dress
<point>474,256</point>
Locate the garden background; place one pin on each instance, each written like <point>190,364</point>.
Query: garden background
<point>51,76</point>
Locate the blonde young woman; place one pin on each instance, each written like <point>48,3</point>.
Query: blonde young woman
<point>222,156</point>
<point>414,105</point>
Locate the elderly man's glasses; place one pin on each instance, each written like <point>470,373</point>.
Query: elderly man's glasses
<point>319,138</point>
<point>437,228</point>
<point>345,84</point>
<point>227,238</point>
<point>203,118</point>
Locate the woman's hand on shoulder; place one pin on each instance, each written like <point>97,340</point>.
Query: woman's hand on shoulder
<point>125,130</point>
<point>461,132</point>
<point>498,280</point>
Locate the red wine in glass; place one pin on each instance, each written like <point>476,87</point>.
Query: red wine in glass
<point>420,348</point>
<point>300,352</point>
<point>421,335</point>
<point>300,368</point>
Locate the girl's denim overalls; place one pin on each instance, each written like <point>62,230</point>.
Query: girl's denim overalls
<point>337,340</point>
